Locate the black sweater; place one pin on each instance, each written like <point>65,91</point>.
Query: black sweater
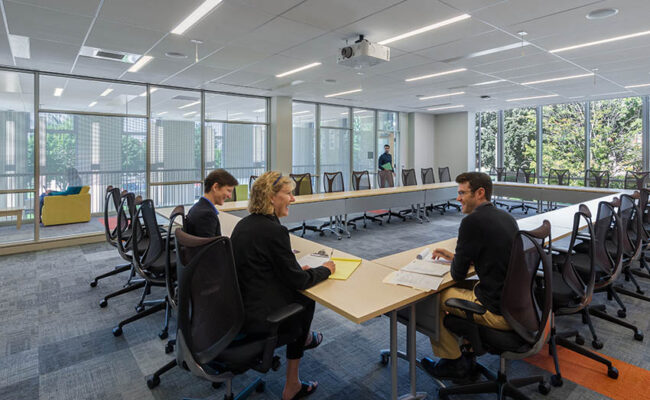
<point>269,274</point>
<point>202,220</point>
<point>485,238</point>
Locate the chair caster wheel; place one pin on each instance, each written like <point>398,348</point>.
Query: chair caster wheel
<point>322,234</point>
<point>103,303</point>
<point>93,283</point>
<point>152,381</point>
<point>621,313</point>
<point>338,238</point>
<point>597,344</point>
<point>169,348</point>
<point>638,336</point>
<point>260,387</point>
<point>384,359</point>
<point>139,308</point>
<point>556,380</point>
<point>163,335</point>
<point>117,331</point>
<point>612,373</point>
<point>544,388</point>
<point>580,340</point>
<point>216,385</point>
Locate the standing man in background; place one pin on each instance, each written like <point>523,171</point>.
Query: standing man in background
<point>386,160</point>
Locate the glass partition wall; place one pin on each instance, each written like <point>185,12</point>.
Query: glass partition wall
<point>155,141</point>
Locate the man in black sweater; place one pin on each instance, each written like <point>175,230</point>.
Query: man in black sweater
<point>202,219</point>
<point>485,238</point>
<point>386,158</point>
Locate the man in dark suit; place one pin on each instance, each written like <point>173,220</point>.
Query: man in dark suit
<point>202,219</point>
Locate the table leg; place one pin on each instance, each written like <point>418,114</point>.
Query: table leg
<point>393,354</point>
<point>413,362</point>
<point>19,220</point>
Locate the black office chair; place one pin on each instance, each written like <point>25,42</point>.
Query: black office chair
<point>149,264</point>
<point>210,343</point>
<point>557,177</point>
<point>445,176</point>
<point>409,179</point>
<point>251,180</point>
<point>527,314</point>
<point>572,295</point>
<point>361,181</point>
<point>501,176</point>
<point>387,180</point>
<point>303,187</point>
<point>644,202</point>
<point>636,180</point>
<point>333,182</point>
<point>596,178</point>
<point>427,178</point>
<point>524,175</point>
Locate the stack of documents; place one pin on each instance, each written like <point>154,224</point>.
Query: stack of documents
<point>423,273</point>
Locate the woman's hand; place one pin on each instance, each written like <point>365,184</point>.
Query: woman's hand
<point>330,265</point>
<point>443,253</point>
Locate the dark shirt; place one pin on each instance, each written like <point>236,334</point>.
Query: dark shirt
<point>202,219</point>
<point>385,158</point>
<point>269,274</point>
<point>485,238</point>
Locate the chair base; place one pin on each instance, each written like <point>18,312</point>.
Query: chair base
<point>454,205</point>
<point>304,227</point>
<point>364,217</point>
<point>599,311</point>
<point>524,207</point>
<point>437,207</point>
<point>117,270</point>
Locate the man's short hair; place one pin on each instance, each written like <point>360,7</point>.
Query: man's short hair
<point>387,145</point>
<point>477,180</point>
<point>219,176</point>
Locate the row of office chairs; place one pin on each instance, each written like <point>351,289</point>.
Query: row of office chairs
<point>634,180</point>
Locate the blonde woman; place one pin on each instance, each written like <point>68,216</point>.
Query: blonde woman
<point>270,276</point>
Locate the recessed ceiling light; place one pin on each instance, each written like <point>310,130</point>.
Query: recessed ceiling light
<point>189,104</point>
<point>534,97</point>
<point>93,104</point>
<point>488,82</point>
<point>233,114</point>
<point>144,60</point>
<point>562,78</point>
<point>200,12</point>
<point>342,93</point>
<point>637,86</point>
<point>425,29</point>
<point>301,112</point>
<point>613,39</point>
<point>296,82</point>
<point>106,92</point>
<point>437,96</point>
<point>293,71</point>
<point>522,33</point>
<point>453,71</point>
<point>360,111</point>
<point>175,54</point>
<point>151,90</point>
<point>187,114</point>
<point>444,108</point>
<point>260,110</point>
<point>162,113</point>
<point>602,13</point>
<point>58,92</point>
<point>19,46</point>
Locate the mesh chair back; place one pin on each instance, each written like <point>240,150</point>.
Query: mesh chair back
<point>125,214</point>
<point>303,184</point>
<point>333,182</point>
<point>170,274</point>
<point>210,307</point>
<point>444,175</point>
<point>558,177</point>
<point>408,177</point>
<point>644,196</point>
<point>501,174</point>
<point>595,178</point>
<point>111,203</point>
<point>251,180</point>
<point>636,179</point>
<point>608,230</point>
<point>631,219</point>
<point>519,304</point>
<point>386,179</point>
<point>427,176</point>
<point>525,175</point>
<point>583,290</point>
<point>360,180</point>
<point>153,259</point>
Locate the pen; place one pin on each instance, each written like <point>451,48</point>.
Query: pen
<point>331,253</point>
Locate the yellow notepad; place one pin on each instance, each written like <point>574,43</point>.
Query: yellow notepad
<point>344,267</point>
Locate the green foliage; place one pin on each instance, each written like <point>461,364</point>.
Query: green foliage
<point>563,134</point>
<point>519,138</point>
<point>133,153</point>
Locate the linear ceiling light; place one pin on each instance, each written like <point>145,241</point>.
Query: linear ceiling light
<point>614,39</point>
<point>260,110</point>
<point>301,112</point>
<point>200,12</point>
<point>189,104</point>
<point>106,92</point>
<point>342,93</point>
<point>453,71</point>
<point>293,71</point>
<point>534,97</point>
<point>58,92</point>
<point>637,86</point>
<point>162,113</point>
<point>444,108</point>
<point>93,104</point>
<point>437,96</point>
<point>425,29</point>
<point>187,114</point>
<point>562,78</point>
<point>488,82</point>
<point>144,60</point>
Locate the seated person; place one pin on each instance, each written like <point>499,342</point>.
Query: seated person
<point>70,190</point>
<point>202,219</point>
<point>270,276</point>
<point>485,238</point>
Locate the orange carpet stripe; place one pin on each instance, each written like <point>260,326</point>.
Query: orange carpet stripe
<point>633,383</point>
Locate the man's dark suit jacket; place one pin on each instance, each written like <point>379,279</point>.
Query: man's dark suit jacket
<point>202,219</point>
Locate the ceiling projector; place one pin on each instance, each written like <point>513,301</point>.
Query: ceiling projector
<point>362,54</point>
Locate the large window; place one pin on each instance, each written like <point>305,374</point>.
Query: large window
<point>304,139</point>
<point>616,135</point>
<point>363,144</point>
<point>335,141</point>
<point>387,130</point>
<point>563,140</point>
<point>486,141</point>
<point>519,138</point>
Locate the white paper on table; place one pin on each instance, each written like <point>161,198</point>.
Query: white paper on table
<point>427,267</point>
<point>312,260</point>
<point>418,281</point>
<point>424,254</point>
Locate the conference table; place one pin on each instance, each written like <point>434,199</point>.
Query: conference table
<point>363,295</point>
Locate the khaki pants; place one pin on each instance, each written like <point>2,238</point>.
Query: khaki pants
<point>447,345</point>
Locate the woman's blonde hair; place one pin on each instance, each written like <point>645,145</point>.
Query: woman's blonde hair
<point>265,187</point>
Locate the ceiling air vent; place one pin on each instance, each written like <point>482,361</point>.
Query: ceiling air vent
<point>112,56</point>
<point>102,54</point>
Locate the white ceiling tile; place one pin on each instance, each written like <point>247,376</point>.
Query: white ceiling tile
<point>155,15</point>
<point>121,37</point>
<point>80,7</point>
<point>470,6</point>
<point>511,13</point>
<point>286,32</point>
<point>42,23</point>
<point>334,14</point>
<point>232,57</point>
<point>275,7</point>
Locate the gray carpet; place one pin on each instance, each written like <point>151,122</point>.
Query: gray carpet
<point>56,343</point>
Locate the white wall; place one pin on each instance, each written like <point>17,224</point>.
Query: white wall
<point>281,134</point>
<point>454,142</point>
<point>420,144</point>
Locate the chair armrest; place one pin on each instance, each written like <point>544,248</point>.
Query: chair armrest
<point>583,236</point>
<point>283,313</point>
<point>466,305</point>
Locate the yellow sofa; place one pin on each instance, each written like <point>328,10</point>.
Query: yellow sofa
<point>58,210</point>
